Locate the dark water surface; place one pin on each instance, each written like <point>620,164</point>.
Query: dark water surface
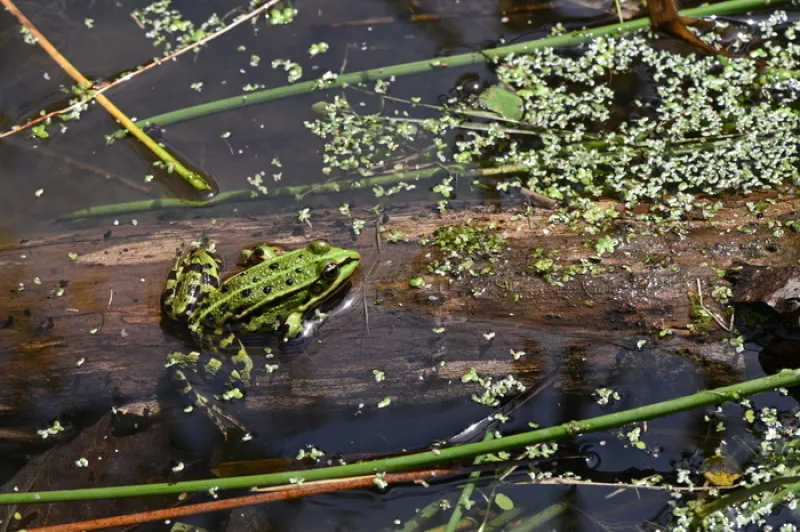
<point>260,133</point>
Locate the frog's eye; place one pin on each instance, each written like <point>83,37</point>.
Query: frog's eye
<point>319,247</point>
<point>330,272</point>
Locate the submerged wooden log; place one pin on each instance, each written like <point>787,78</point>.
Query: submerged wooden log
<point>101,343</point>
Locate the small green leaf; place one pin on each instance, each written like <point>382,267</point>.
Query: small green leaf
<point>502,101</point>
<point>72,255</point>
<point>39,131</point>
<point>606,244</point>
<point>386,401</point>
<point>417,282</point>
<point>504,502</point>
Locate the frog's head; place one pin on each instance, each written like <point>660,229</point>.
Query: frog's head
<point>335,266</point>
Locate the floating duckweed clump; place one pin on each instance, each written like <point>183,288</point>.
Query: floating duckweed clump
<point>767,479</point>
<point>620,120</point>
<point>545,264</point>
<point>467,248</point>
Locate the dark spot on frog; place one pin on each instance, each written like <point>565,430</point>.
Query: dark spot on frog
<point>213,281</point>
<point>246,293</point>
<point>255,280</point>
<point>259,252</point>
<point>224,308</point>
<point>196,267</point>
<point>267,289</point>
<point>289,282</point>
<point>173,274</point>
<point>299,270</point>
<point>169,292</point>
<point>273,266</point>
<point>773,247</point>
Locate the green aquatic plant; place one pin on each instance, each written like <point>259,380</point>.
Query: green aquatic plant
<point>696,128</point>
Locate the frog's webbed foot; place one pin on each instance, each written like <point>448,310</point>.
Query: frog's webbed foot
<point>223,420</point>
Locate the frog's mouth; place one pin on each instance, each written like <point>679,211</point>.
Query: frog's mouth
<point>349,266</point>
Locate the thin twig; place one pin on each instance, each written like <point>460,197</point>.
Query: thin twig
<point>194,179</point>
<point>623,486</point>
<point>268,495</point>
<point>715,317</point>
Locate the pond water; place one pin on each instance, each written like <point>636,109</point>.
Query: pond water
<point>74,168</point>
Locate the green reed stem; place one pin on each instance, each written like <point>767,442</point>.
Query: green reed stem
<point>430,65</point>
<point>421,460</point>
<point>297,191</point>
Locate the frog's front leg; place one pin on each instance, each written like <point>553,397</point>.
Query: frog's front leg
<point>294,325</point>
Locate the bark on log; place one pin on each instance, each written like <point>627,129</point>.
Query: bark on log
<point>114,285</point>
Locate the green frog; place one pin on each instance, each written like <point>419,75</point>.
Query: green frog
<point>276,290</point>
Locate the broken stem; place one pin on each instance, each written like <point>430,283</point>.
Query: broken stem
<point>711,313</point>
<point>194,179</point>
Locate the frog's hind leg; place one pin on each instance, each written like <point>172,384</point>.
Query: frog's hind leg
<point>223,420</point>
<point>193,275</point>
<point>221,340</point>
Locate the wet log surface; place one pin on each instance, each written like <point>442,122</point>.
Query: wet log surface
<point>591,326</point>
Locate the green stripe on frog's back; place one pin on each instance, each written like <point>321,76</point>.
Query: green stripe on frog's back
<point>291,282</point>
